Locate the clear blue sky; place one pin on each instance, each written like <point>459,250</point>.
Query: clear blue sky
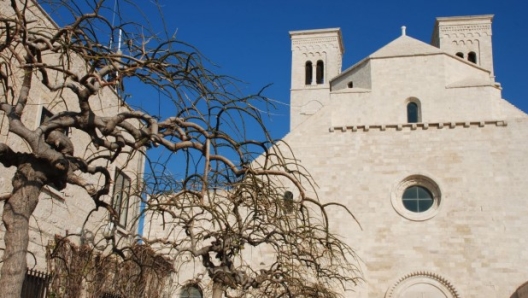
<point>249,39</point>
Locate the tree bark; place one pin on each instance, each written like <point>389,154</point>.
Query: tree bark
<point>27,184</point>
<point>218,289</point>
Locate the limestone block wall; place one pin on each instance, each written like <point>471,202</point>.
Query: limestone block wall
<point>397,80</point>
<point>358,76</point>
<point>307,102</point>
<point>464,35</point>
<point>475,240</point>
<point>65,212</point>
<point>468,149</point>
<point>456,71</point>
<point>312,46</point>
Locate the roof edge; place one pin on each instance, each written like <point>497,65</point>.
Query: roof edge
<point>314,31</point>
<point>465,18</point>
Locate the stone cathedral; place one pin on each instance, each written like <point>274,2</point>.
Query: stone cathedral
<point>417,141</point>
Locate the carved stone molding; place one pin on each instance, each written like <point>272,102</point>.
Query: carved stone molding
<point>422,277</point>
<point>416,126</point>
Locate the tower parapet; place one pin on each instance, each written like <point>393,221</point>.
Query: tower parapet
<point>316,56</point>
<point>468,37</point>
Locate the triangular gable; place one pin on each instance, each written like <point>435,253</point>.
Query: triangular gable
<point>405,46</point>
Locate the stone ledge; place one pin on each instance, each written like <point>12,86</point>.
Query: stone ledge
<point>418,126</point>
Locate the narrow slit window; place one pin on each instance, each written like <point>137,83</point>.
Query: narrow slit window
<point>288,202</point>
<point>350,84</point>
<point>308,73</point>
<point>120,198</point>
<point>320,72</point>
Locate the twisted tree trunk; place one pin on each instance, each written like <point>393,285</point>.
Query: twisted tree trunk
<point>27,184</point>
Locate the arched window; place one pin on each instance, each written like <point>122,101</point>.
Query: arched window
<point>308,72</point>
<point>191,291</point>
<point>350,84</point>
<point>320,72</point>
<point>460,54</point>
<point>413,112</point>
<point>422,284</point>
<point>472,57</point>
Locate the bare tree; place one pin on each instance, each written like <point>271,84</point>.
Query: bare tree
<point>227,193</point>
<point>252,237</point>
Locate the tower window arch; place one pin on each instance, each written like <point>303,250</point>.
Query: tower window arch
<point>320,72</point>
<point>308,72</point>
<point>414,113</point>
<point>460,54</point>
<point>472,57</point>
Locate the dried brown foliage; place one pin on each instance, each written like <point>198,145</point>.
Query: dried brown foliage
<point>75,269</point>
<point>225,192</point>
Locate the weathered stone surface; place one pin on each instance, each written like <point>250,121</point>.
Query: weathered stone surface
<point>356,142</point>
<point>65,211</point>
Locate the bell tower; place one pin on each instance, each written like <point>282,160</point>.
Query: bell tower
<point>316,59</point>
<point>468,37</point>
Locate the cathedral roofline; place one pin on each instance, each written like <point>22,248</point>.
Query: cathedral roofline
<point>314,31</point>
<point>402,46</point>
<point>405,46</point>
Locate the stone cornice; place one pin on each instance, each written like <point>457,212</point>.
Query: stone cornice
<point>309,36</point>
<point>314,41</point>
<point>418,126</point>
<point>486,28</point>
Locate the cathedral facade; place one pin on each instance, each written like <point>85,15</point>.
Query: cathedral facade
<point>417,141</point>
